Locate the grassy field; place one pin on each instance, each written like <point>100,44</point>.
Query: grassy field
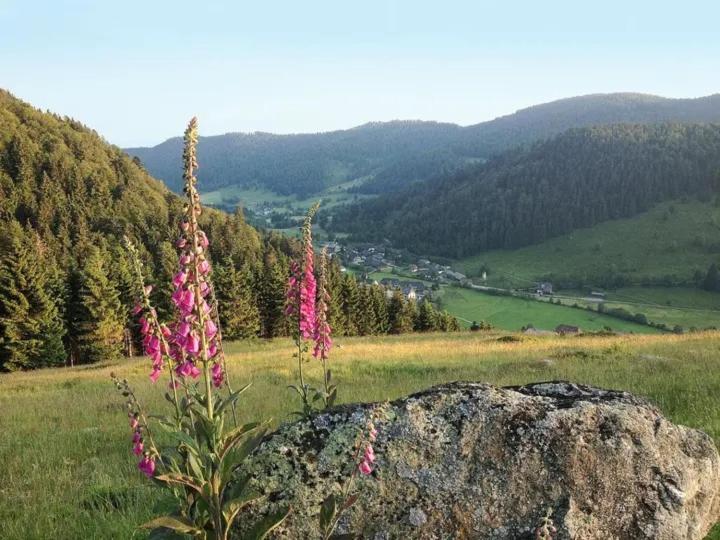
<point>511,313</point>
<point>672,239</point>
<point>686,307</point>
<point>67,471</point>
<point>251,197</point>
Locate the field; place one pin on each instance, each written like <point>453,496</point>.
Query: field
<point>682,306</point>
<point>231,196</point>
<point>511,313</point>
<point>67,471</point>
<point>673,239</point>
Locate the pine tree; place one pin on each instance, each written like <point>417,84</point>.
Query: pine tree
<point>379,304</point>
<point>427,319</point>
<point>712,279</point>
<point>400,314</point>
<point>239,315</point>
<point>271,296</point>
<point>31,328</point>
<point>101,327</point>
<point>350,305</point>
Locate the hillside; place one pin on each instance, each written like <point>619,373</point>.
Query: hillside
<point>578,179</point>
<point>670,245</point>
<point>300,164</point>
<point>389,156</point>
<point>67,198</point>
<point>67,287</point>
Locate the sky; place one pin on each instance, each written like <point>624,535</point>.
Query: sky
<point>137,71</point>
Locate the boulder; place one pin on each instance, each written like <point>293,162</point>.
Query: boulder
<point>467,460</point>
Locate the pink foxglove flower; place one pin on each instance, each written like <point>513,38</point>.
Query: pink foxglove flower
<point>217,375</point>
<point>147,466</point>
<point>365,468</point>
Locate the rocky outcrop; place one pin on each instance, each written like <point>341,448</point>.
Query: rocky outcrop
<point>468,460</point>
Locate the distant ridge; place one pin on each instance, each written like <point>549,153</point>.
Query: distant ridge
<point>391,155</point>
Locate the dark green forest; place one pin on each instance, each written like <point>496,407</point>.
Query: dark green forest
<point>388,156</point>
<point>577,179</point>
<point>298,164</point>
<point>67,199</point>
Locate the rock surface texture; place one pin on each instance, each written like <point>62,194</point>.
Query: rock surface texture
<point>468,460</point>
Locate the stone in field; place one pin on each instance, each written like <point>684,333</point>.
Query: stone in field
<point>468,460</point>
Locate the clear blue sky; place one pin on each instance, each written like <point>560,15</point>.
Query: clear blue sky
<point>136,71</point>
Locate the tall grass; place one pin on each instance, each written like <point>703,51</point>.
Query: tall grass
<point>64,448</point>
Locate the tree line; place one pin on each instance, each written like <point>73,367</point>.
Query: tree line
<point>525,196</point>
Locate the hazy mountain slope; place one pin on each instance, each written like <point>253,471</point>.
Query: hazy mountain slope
<point>540,122</point>
<point>298,164</point>
<point>394,154</point>
<point>525,196</point>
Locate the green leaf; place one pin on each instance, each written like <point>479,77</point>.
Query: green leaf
<point>232,398</point>
<point>195,465</point>
<point>175,523</point>
<point>296,388</point>
<point>261,529</point>
<point>183,438</point>
<point>182,479</point>
<point>327,512</point>
<point>245,496</point>
<point>235,435</point>
<point>332,397</point>
<point>237,455</point>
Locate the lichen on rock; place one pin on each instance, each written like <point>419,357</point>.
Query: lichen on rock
<point>468,460</point>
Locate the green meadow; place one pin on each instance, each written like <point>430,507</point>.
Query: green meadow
<point>673,240</point>
<point>67,469</point>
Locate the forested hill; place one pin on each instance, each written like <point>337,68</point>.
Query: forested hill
<point>577,179</point>
<point>298,164</point>
<point>67,198</point>
<point>385,157</point>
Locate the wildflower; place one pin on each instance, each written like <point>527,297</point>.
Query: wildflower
<point>188,369</point>
<point>306,315</point>
<point>179,279</point>
<point>155,374</point>
<point>147,466</point>
<point>366,462</point>
<point>138,448</point>
<point>210,329</point>
<point>217,375</point>
<point>322,331</point>
<point>192,344</point>
<point>365,468</point>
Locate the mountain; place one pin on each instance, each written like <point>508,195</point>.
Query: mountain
<point>388,156</point>
<point>298,164</point>
<point>577,179</point>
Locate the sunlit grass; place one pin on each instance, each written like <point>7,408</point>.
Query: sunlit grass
<point>67,471</point>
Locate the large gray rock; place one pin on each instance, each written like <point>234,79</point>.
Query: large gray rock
<point>468,460</point>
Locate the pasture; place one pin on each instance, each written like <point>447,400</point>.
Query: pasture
<point>67,469</point>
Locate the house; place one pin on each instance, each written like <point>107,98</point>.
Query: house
<point>598,294</point>
<point>565,329</point>
<point>543,287</point>
<point>457,276</point>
